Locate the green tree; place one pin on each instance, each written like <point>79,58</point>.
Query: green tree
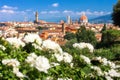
<point>116,14</point>
<point>87,36</point>
<point>110,37</point>
<point>39,28</point>
<point>104,28</point>
<point>69,44</point>
<point>69,36</point>
<point>103,38</point>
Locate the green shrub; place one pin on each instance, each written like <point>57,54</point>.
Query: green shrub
<point>110,37</point>
<point>86,36</point>
<point>69,36</point>
<point>69,44</point>
<point>104,53</point>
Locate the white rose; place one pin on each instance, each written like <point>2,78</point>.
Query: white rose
<point>83,45</point>
<point>58,56</point>
<point>113,73</point>
<point>2,47</point>
<point>20,75</point>
<point>31,59</point>
<point>42,64</point>
<point>86,59</point>
<point>15,42</point>
<point>67,57</point>
<point>33,38</point>
<point>11,62</point>
<point>51,45</point>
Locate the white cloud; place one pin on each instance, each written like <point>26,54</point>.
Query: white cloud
<point>68,12</point>
<point>9,7</point>
<point>55,4</point>
<point>79,13</point>
<point>84,12</point>
<point>28,10</point>
<point>54,12</point>
<point>109,12</point>
<point>43,12</point>
<point>7,11</point>
<point>88,12</point>
<point>22,12</point>
<point>94,13</point>
<point>49,12</point>
<point>12,10</point>
<point>99,13</point>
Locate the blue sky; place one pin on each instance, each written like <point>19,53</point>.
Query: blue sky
<point>51,10</point>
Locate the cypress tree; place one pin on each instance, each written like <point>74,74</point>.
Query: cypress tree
<point>116,14</point>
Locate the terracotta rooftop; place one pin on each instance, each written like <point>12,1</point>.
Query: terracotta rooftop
<point>52,31</point>
<point>26,29</point>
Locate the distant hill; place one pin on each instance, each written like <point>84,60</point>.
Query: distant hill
<point>102,19</point>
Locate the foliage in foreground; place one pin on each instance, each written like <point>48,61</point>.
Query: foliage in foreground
<point>46,60</point>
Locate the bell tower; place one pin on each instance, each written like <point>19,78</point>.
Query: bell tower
<point>36,16</point>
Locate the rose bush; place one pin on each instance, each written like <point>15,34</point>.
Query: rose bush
<point>30,58</point>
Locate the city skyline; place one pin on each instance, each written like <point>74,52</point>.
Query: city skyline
<point>24,10</point>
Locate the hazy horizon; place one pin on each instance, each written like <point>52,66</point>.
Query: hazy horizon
<point>53,10</point>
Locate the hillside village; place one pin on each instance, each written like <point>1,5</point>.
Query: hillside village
<point>50,30</point>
